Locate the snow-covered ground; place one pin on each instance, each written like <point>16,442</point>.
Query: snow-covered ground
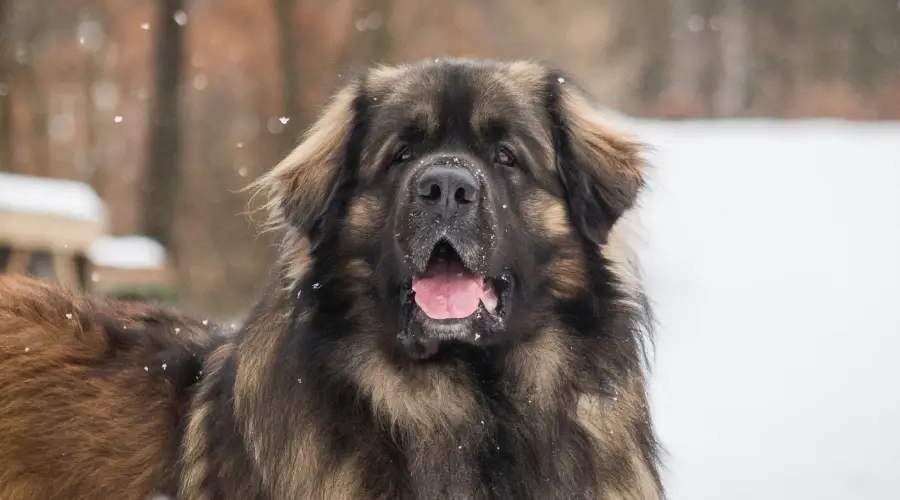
<point>772,253</point>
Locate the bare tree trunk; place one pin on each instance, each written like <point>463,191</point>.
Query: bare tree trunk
<point>39,142</point>
<point>375,43</point>
<point>687,56</point>
<point>290,71</point>
<point>731,95</point>
<point>6,65</point>
<point>93,72</point>
<point>94,167</point>
<point>381,40</point>
<point>162,175</point>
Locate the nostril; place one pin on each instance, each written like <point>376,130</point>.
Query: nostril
<point>429,189</point>
<point>461,196</point>
<point>434,193</point>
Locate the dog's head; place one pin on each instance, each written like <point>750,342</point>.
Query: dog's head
<point>455,201</point>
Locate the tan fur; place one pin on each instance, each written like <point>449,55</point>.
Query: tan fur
<point>567,276</point>
<point>294,258</point>
<point>425,400</point>
<point>536,366</point>
<point>365,218</point>
<point>618,158</point>
<point>620,251</point>
<point>547,215</point>
<point>609,421</point>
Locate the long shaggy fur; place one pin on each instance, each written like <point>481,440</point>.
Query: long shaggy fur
<point>312,399</point>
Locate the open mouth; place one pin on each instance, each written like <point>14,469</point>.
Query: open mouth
<point>450,303</point>
<point>448,291</point>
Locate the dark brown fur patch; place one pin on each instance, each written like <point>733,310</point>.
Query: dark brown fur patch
<point>89,402</point>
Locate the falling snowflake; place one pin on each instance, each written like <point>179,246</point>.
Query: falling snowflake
<point>164,365</point>
<point>696,23</point>
<point>68,315</point>
<point>180,17</point>
<point>117,119</point>
<point>145,26</point>
<point>561,80</point>
<point>284,120</point>
<point>201,81</point>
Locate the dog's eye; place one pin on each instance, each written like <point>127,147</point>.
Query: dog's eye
<point>403,154</point>
<point>504,157</point>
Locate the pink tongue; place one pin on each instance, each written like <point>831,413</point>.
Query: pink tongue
<point>448,291</point>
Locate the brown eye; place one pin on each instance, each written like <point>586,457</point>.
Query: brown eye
<point>403,154</point>
<point>504,157</point>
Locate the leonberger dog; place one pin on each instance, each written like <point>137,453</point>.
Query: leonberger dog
<point>454,315</point>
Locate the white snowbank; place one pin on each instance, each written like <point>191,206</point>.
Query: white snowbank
<point>65,198</point>
<point>772,253</point>
<point>128,252</point>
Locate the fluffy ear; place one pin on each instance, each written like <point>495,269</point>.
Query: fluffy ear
<point>301,186</point>
<point>601,170</point>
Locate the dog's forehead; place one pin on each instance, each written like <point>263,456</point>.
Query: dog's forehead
<point>481,93</point>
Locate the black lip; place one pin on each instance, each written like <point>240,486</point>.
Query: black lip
<point>433,248</point>
<point>444,249</point>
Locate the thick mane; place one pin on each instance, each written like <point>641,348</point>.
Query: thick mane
<point>316,408</point>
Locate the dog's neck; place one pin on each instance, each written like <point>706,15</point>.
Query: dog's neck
<point>545,414</point>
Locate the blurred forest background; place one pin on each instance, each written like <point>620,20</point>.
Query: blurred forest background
<point>169,107</point>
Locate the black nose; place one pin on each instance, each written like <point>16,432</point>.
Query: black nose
<point>447,191</point>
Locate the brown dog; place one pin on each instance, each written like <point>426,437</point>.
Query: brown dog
<point>453,319</point>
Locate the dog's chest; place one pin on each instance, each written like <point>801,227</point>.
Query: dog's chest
<point>499,466</point>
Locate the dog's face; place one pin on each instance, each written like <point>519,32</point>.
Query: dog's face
<point>460,200</point>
